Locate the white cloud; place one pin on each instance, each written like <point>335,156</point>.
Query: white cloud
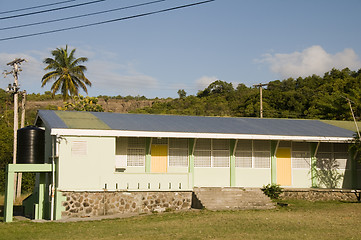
<point>108,76</point>
<point>312,60</point>
<point>204,82</point>
<point>119,79</point>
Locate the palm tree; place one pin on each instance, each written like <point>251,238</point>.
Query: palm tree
<point>67,73</point>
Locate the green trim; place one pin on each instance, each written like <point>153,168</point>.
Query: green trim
<point>59,199</point>
<point>148,156</point>
<point>81,120</point>
<point>273,162</point>
<point>313,147</point>
<point>232,165</point>
<point>40,214</point>
<point>9,195</point>
<point>191,145</point>
<point>29,167</point>
<point>40,197</point>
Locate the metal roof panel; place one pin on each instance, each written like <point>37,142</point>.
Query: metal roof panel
<point>198,124</point>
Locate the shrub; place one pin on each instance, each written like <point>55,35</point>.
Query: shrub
<point>272,190</point>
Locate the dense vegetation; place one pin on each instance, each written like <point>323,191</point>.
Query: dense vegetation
<point>312,97</point>
<point>6,135</point>
<point>6,140</point>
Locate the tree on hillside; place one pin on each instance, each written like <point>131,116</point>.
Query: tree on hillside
<point>182,93</point>
<point>67,73</point>
<point>217,87</point>
<point>312,97</point>
<point>80,103</point>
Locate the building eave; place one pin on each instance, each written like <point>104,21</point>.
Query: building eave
<point>123,133</point>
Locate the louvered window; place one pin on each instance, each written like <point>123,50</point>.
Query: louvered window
<point>136,152</point>
<point>261,154</point>
<point>203,153</point>
<point>178,152</point>
<point>301,156</point>
<point>254,154</point>
<point>220,153</point>
<point>202,158</point>
<point>332,156</point>
<point>244,154</point>
<point>212,153</point>
<point>340,153</point>
<point>261,159</point>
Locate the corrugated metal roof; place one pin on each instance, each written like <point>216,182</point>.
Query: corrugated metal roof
<point>50,119</point>
<point>81,120</point>
<point>190,124</point>
<point>349,125</point>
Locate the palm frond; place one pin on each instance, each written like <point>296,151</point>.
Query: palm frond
<point>68,73</point>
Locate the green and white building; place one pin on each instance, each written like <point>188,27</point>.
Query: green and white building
<point>94,152</point>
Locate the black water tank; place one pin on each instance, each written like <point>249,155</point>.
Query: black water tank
<point>31,145</point>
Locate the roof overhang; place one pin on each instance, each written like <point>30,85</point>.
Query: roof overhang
<point>124,133</point>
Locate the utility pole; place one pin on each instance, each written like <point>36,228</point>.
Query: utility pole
<point>353,116</point>
<point>260,85</point>
<point>23,103</point>
<point>22,124</point>
<point>14,89</point>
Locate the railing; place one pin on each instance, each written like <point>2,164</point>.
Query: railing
<point>148,182</point>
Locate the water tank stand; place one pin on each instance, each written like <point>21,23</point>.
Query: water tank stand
<point>11,169</point>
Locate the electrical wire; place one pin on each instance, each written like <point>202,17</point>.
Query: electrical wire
<point>39,6</point>
<point>104,22</point>
<point>80,16</point>
<point>51,10</point>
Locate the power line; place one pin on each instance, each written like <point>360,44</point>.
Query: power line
<point>51,10</point>
<point>104,22</point>
<point>39,6</point>
<point>80,16</point>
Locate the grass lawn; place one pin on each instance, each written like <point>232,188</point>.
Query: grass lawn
<point>300,220</point>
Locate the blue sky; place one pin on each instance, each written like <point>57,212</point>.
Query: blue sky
<point>238,41</point>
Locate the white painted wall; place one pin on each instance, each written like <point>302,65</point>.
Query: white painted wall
<point>172,169</point>
<point>301,178</point>
<point>86,172</point>
<point>252,177</point>
<point>211,177</point>
<point>95,170</point>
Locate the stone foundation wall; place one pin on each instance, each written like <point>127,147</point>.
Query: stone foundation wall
<point>83,204</point>
<point>320,194</point>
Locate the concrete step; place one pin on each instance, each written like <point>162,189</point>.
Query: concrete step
<point>218,198</point>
